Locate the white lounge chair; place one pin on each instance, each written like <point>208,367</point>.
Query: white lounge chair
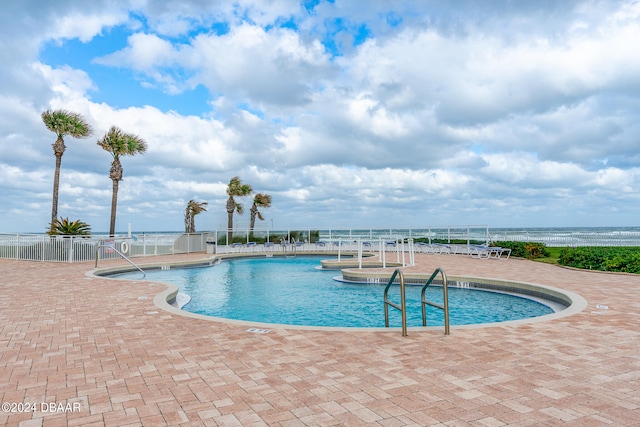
<point>479,251</point>
<point>237,246</point>
<point>268,246</point>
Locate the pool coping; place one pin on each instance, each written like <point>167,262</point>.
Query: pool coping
<point>163,300</point>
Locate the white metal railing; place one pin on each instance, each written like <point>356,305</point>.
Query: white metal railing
<point>42,247</point>
<point>404,249</point>
<point>38,247</point>
<point>311,235</point>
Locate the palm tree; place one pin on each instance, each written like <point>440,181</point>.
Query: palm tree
<point>63,123</point>
<point>119,143</point>
<point>235,189</point>
<point>65,227</point>
<point>193,208</point>
<point>260,200</point>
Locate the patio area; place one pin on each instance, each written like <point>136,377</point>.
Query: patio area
<point>81,350</point>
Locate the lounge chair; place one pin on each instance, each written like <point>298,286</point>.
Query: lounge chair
<point>427,248</point>
<point>501,251</point>
<point>236,246</point>
<point>479,251</point>
<point>444,249</point>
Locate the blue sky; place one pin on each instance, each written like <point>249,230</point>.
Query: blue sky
<point>348,113</point>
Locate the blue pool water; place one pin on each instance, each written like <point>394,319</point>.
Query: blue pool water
<point>294,291</point>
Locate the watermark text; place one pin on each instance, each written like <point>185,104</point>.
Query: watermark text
<point>52,407</point>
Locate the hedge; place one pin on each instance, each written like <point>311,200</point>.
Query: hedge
<point>618,259</point>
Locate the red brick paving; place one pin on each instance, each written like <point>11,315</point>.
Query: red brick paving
<point>66,338</point>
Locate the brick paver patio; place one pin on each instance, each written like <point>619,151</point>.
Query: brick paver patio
<point>90,351</point>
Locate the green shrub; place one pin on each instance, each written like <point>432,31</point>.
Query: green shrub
<point>222,240</point>
<point>529,250</point>
<point>618,259</point>
<point>66,227</point>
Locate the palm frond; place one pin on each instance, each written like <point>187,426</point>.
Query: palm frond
<point>65,227</point>
<point>119,143</point>
<point>237,188</point>
<point>262,200</point>
<point>197,207</point>
<point>63,122</point>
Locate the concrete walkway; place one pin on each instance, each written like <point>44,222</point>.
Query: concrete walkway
<point>92,351</point>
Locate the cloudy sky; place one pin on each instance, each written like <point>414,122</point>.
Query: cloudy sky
<point>349,113</point>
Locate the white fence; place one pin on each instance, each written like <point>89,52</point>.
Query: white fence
<point>38,247</point>
<point>42,247</point>
<point>77,249</point>
<point>402,250</point>
<point>443,234</point>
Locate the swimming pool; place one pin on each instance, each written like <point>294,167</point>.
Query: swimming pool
<point>293,291</point>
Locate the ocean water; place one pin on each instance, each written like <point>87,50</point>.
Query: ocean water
<point>551,236</point>
<point>570,236</point>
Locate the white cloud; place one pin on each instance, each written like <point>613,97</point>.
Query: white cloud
<point>248,61</point>
<point>84,26</point>
<point>66,82</point>
<point>617,180</point>
<point>370,115</point>
<point>251,62</point>
<point>144,52</point>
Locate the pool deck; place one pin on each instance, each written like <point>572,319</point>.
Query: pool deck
<point>93,351</point>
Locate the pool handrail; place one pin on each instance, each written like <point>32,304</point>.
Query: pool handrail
<point>445,299</point>
<point>403,301</point>
<point>119,253</point>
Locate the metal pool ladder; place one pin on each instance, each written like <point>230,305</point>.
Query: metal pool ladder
<point>403,302</point>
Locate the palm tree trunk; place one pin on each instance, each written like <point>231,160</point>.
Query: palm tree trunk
<point>114,203</point>
<point>229,227</point>
<point>253,221</point>
<point>56,186</point>
<point>231,207</point>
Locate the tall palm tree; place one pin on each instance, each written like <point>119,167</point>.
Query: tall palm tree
<point>235,189</point>
<point>119,143</point>
<point>260,200</point>
<point>193,208</point>
<point>63,123</point>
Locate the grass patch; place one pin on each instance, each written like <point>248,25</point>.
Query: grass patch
<point>552,257</point>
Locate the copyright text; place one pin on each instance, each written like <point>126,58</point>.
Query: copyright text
<point>41,407</point>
